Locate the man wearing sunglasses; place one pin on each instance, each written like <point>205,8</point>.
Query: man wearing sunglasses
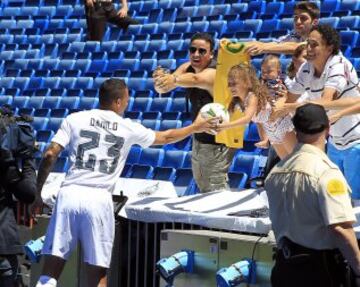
<point>210,160</point>
<point>306,15</point>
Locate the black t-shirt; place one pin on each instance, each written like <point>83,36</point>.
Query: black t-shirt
<point>199,98</point>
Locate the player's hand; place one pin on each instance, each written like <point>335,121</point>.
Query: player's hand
<point>202,124</point>
<point>263,144</point>
<point>254,48</point>
<point>89,3</point>
<point>122,12</point>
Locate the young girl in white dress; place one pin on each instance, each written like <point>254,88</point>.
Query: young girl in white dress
<point>253,98</point>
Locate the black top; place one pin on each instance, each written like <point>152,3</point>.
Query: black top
<point>199,98</point>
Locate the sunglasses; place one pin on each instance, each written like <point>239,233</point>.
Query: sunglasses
<point>201,51</point>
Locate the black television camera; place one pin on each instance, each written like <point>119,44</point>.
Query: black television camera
<point>17,149</point>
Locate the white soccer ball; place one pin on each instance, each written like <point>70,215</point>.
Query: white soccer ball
<point>213,110</point>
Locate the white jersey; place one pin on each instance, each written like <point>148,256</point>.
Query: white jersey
<point>98,142</point>
<point>340,75</point>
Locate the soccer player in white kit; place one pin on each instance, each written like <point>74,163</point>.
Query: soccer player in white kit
<point>98,141</point>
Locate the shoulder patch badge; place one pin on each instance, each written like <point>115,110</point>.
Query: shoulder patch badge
<point>336,187</point>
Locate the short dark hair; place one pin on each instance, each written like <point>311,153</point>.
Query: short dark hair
<point>330,36</point>
<point>204,36</point>
<point>309,7</point>
<point>110,91</point>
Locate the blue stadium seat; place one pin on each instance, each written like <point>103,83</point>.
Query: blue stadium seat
<point>248,164</point>
<point>69,102</point>
<point>41,112</point>
<point>67,83</point>
<point>50,64</point>
<point>51,82</point>
<point>149,28</point>
<point>21,83</point>
<point>59,113</point>
<point>174,158</point>
<point>6,55</point>
<point>218,26</point>
<point>170,124</point>
<point>151,124</point>
<point>83,83</point>
<point>187,11</point>
<point>156,45</point>
<point>131,64</point>
<point>44,135</point>
<point>331,21</point>
<point>40,123</point>
<point>134,155</point>
<point>35,102</point>
<point>148,64</point>
<point>77,47</point>
<point>349,37</point>
<point>253,25</point>
<point>98,66</point>
<point>54,124</point>
<point>183,179</point>
<point>82,65</point>
<point>88,103</point>
<point>257,6</point>
<point>160,104</point>
<point>169,15</point>
<point>141,104</point>
<point>199,26</point>
<point>7,24</point>
<point>140,45</point>
<point>167,63</point>
<point>178,105</point>
<point>269,25</point>
<point>41,92</point>
<point>286,24</point>
<point>235,26</point>
<point>329,6</point>
<point>136,84</point>
<point>238,8</point>
<point>164,173</point>
<point>151,156</point>
<point>125,171</point>
<point>141,171</point>
<point>34,64</point>
<point>182,27</point>
<point>5,100</point>
<point>221,9</point>
<point>176,45</point>
<point>204,10</point>
<point>348,6</point>
<point>11,11</point>
<point>237,180</point>
<point>349,22</point>
<point>166,27</point>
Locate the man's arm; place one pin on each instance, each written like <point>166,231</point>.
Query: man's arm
<point>49,159</point>
<point>203,80</point>
<point>257,48</point>
<point>345,240</point>
<point>174,135</point>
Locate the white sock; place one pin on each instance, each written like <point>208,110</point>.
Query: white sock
<point>46,281</point>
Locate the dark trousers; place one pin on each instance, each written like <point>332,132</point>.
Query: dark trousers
<point>310,268</point>
<point>99,15</point>
<point>272,160</point>
<point>8,270</point>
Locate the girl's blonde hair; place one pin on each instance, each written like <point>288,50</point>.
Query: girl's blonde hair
<point>247,73</point>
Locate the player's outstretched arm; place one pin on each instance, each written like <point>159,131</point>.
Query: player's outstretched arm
<point>174,135</point>
<point>257,48</point>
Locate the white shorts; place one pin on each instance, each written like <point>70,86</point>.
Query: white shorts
<point>82,214</point>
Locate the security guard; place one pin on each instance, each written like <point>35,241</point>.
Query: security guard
<point>310,210</point>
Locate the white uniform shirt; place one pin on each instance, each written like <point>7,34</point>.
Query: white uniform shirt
<point>340,75</point>
<point>99,142</point>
